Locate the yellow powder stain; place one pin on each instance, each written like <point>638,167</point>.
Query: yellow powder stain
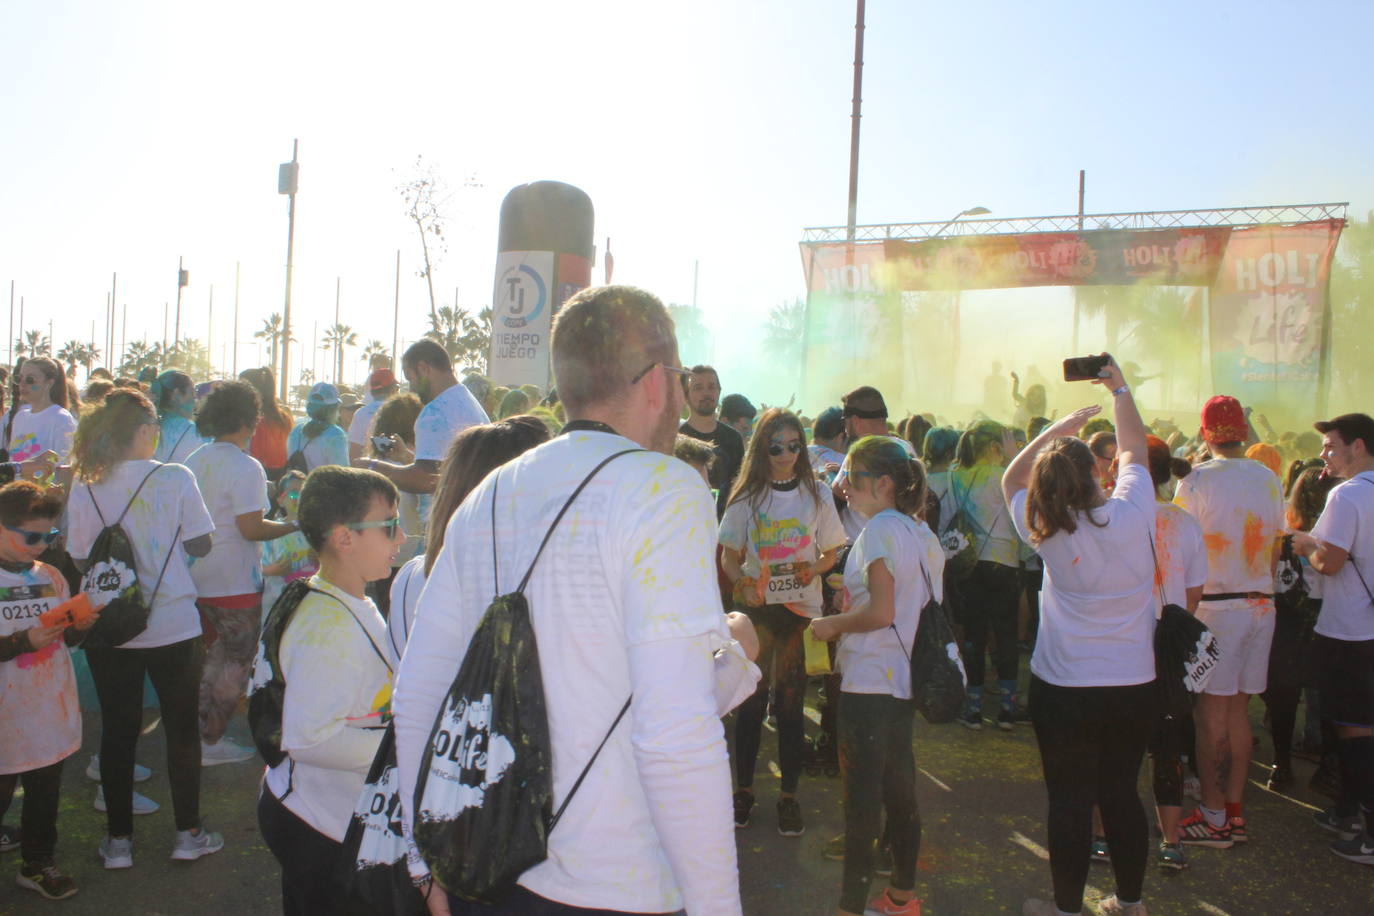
<point>1252,540</point>
<point>1217,544</point>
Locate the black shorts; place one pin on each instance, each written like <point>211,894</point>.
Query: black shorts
<point>1345,677</point>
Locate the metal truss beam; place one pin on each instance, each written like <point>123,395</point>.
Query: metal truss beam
<point>1151,219</point>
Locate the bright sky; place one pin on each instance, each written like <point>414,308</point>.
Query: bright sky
<point>138,132</point>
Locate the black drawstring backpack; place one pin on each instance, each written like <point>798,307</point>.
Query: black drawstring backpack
<point>483,807</point>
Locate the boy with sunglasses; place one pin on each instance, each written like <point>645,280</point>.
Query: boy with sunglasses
<point>40,718</point>
<point>338,683</point>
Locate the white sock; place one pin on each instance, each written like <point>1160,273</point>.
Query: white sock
<point>1214,817</point>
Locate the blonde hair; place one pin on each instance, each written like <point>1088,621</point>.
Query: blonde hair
<point>106,432</point>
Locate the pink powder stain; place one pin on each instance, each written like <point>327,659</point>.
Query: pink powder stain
<point>1075,560</point>
<point>35,659</point>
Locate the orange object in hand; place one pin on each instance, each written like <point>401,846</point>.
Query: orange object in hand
<point>72,612</point>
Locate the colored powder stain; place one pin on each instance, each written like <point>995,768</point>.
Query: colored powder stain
<point>1075,560</point>
<point>34,659</point>
<point>1252,540</point>
<point>1217,544</point>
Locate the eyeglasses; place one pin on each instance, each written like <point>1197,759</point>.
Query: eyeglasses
<point>675,370</point>
<point>32,538</point>
<point>389,525</point>
<point>775,450</point>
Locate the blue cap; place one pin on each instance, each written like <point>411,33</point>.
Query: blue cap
<point>324,394</point>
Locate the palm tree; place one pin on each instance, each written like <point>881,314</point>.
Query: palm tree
<point>271,331</point>
<point>464,338</point>
<point>191,357</point>
<point>75,353</point>
<point>139,356</point>
<point>374,349</point>
<point>338,338</point>
<point>33,343</point>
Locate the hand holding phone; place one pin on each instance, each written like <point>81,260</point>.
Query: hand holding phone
<point>383,444</point>
<point>1085,368</point>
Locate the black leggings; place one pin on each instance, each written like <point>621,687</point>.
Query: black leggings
<point>1092,740</point>
<point>781,653</point>
<point>118,675</point>
<point>38,821</point>
<point>879,772</point>
<point>989,601</point>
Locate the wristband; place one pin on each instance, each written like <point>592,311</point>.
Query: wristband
<point>1118,392</point>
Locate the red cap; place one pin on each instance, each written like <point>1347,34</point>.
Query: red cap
<point>381,378</point>
<point>1223,420</point>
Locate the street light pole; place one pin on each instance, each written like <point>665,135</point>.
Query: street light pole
<point>287,176</point>
<point>854,120</point>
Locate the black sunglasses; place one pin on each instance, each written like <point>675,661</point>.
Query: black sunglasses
<point>32,538</point>
<point>776,450</point>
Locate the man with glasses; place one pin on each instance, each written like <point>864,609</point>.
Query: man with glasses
<point>624,604</point>
<point>702,387</point>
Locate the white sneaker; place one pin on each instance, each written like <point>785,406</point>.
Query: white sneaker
<point>223,751</point>
<point>1114,907</point>
<point>142,803</point>
<point>141,773</point>
<point>118,852</point>
<point>191,846</point>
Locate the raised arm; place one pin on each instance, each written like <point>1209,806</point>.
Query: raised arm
<point>1130,429</point>
<point>1018,473</point>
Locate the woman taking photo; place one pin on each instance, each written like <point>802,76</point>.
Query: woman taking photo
<point>1092,689</point>
<point>780,535</point>
<point>174,396</point>
<point>42,422</point>
<point>892,569</point>
<point>166,521</point>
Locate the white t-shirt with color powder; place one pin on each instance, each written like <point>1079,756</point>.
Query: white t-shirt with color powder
<point>1239,504</point>
<point>454,410</point>
<point>169,498</point>
<point>329,447</point>
<point>784,529</point>
<point>1182,554</point>
<point>40,716</point>
<point>34,433</point>
<point>1097,606</point>
<point>624,601</point>
<point>177,440</point>
<point>877,661</point>
<point>1347,522</point>
<point>362,422</point>
<point>232,483</point>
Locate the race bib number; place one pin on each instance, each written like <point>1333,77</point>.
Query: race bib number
<point>785,584</point>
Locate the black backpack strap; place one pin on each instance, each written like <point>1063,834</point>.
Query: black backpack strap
<point>596,753</point>
<point>163,572</point>
<point>495,565</point>
<point>561,512</point>
<point>344,605</point>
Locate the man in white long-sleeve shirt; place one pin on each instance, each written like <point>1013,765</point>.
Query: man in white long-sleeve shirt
<point>624,603</point>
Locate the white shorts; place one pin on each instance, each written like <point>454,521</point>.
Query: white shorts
<point>1244,630</point>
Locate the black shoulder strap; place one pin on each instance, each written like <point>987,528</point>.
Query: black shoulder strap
<point>558,518</point>
<point>586,769</point>
<point>367,635</point>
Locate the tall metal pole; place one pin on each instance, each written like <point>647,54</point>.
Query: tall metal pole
<point>11,337</point>
<point>235,364</point>
<point>854,120</point>
<point>176,335</point>
<point>1077,305</point>
<point>396,313</point>
<point>110,322</point>
<point>164,333</point>
<point>210,332</point>
<point>21,324</point>
<point>290,247</point>
<point>1082,178</point>
<point>123,336</point>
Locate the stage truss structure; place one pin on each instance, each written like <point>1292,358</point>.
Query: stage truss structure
<point>1074,222</point>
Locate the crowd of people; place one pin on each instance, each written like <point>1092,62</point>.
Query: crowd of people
<point>349,557</point>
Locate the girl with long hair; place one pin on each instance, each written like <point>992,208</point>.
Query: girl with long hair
<point>166,521</point>
<point>988,593</point>
<point>894,568</point>
<point>319,439</point>
<point>1092,692</point>
<point>780,535</point>
<point>42,422</point>
<point>174,395</point>
<point>269,439</point>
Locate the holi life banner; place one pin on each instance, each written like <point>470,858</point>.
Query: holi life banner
<point>1268,311</point>
<point>1173,257</point>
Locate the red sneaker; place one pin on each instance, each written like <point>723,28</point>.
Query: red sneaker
<point>884,905</point>
<point>1194,830</point>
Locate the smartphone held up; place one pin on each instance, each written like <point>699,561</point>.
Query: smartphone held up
<point>1084,368</point>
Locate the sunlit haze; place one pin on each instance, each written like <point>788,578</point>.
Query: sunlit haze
<point>138,133</point>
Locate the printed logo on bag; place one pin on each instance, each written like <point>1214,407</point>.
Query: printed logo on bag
<point>106,581</point>
<point>1201,661</point>
<point>468,752</point>
<point>382,823</point>
<point>953,542</point>
<point>262,670</point>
